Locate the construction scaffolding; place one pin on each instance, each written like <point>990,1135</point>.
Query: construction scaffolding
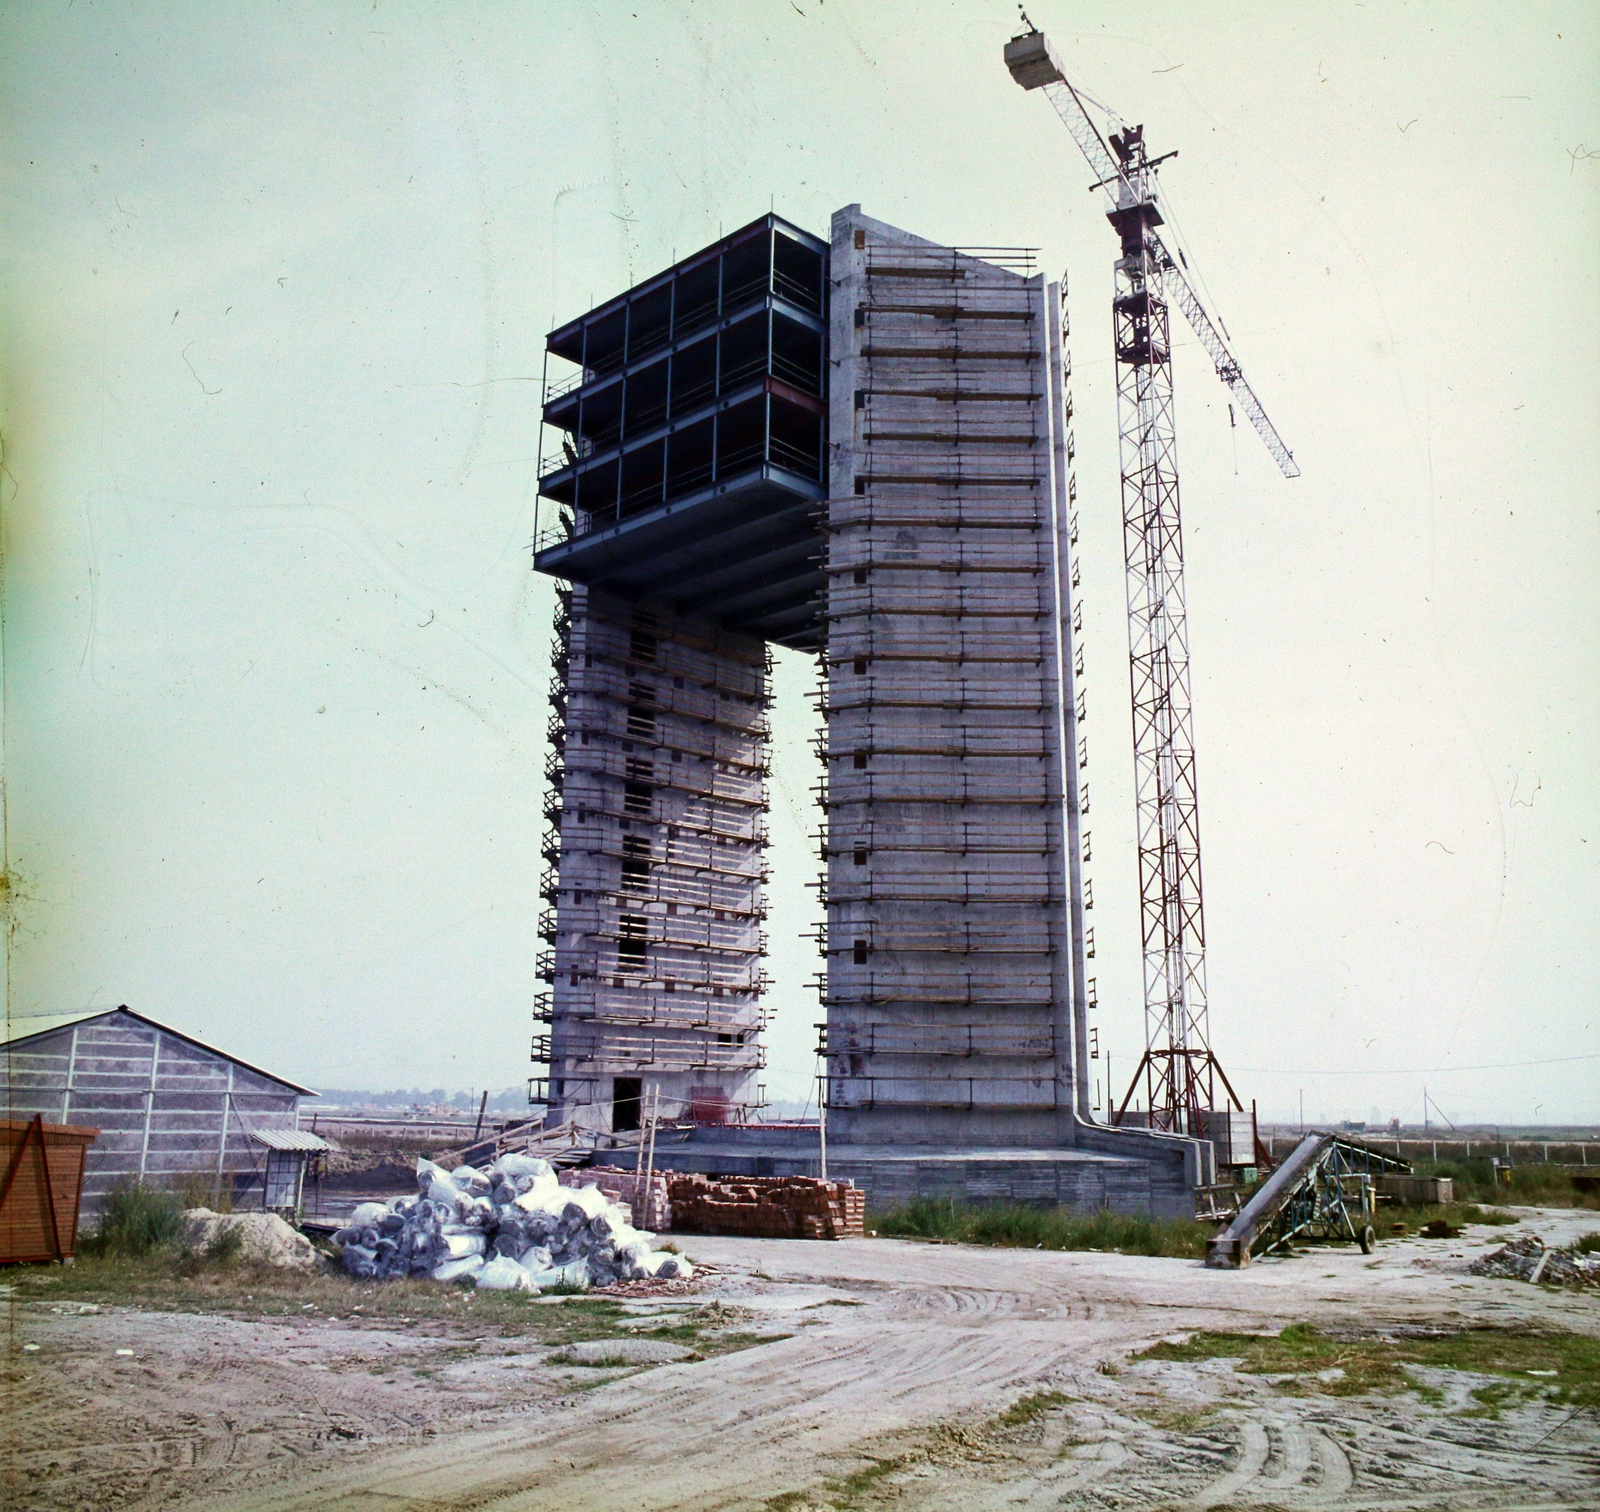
<point>654,939</point>
<point>950,937</point>
<point>860,449</point>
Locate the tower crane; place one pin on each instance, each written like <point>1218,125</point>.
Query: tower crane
<point>1178,1072</point>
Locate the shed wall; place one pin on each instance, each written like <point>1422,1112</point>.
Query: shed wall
<point>165,1108</point>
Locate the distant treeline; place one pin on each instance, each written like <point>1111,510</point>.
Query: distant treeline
<point>512,1100</point>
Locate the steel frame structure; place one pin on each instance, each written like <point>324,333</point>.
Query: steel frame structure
<point>1177,1069</point>
<point>1178,1072</point>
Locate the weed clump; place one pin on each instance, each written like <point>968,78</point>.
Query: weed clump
<point>1534,1184</point>
<point>204,1189</point>
<point>1014,1225</point>
<point>136,1219</point>
<point>1456,1214</point>
<point>1026,1409</point>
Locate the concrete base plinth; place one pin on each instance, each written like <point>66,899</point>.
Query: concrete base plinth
<point>893,1174</point>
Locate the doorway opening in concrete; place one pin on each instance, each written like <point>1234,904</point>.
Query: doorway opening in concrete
<point>626,1094</point>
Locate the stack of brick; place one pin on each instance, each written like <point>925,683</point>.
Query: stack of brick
<point>767,1207</point>
<point>652,1210</point>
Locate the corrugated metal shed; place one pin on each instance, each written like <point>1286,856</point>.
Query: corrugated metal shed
<point>168,1106</point>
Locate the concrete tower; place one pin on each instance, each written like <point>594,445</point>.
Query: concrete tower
<point>956,1003</point>
<point>859,450</point>
<point>685,495</point>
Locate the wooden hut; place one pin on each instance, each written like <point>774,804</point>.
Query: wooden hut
<point>170,1109</point>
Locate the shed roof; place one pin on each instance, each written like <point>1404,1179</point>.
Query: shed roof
<point>19,1031</point>
<point>289,1139</point>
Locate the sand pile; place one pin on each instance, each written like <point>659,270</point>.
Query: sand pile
<point>264,1238</point>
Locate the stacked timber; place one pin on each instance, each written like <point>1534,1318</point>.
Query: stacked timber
<point>767,1207</point>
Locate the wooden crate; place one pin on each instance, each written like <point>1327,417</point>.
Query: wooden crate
<point>41,1188</point>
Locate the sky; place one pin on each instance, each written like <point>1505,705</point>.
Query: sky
<point>276,279</point>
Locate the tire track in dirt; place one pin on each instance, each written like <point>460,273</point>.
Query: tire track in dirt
<point>1253,1448</point>
<point>916,1377</point>
<point>790,1407</point>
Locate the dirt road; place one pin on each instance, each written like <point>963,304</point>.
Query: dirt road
<point>926,1377</point>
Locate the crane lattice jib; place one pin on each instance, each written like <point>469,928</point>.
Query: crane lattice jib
<point>1226,364</point>
<point>1117,180</point>
<point>1178,1071</point>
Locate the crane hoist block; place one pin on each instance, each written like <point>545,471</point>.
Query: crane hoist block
<point>1032,61</point>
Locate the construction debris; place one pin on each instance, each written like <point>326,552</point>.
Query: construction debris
<point>1530,1259</point>
<point>768,1207</point>
<point>514,1227</point>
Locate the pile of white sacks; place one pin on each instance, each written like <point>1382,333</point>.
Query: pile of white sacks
<point>513,1227</point>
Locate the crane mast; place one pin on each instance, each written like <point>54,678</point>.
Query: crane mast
<point>1178,1073</point>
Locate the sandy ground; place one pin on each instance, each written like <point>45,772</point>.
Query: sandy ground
<point>899,1359</point>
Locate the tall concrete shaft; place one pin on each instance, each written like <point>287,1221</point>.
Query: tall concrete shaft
<point>956,992</point>
<point>656,938</point>
<point>681,509</point>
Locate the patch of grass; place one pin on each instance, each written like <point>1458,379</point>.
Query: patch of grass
<point>1589,1244</point>
<point>136,1219</point>
<point>165,1280</point>
<point>732,1343</point>
<point>859,1482</point>
<point>1457,1214</point>
<point>1495,1217</point>
<point>1534,1184</point>
<point>1026,1409</point>
<point>223,1250</point>
<point>838,1493</point>
<point>172,1281</point>
<point>1372,1364</point>
<point>1016,1226</point>
<point>1180,1421</point>
<point>671,1333</point>
<point>1494,1398</point>
<point>225,1246</point>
